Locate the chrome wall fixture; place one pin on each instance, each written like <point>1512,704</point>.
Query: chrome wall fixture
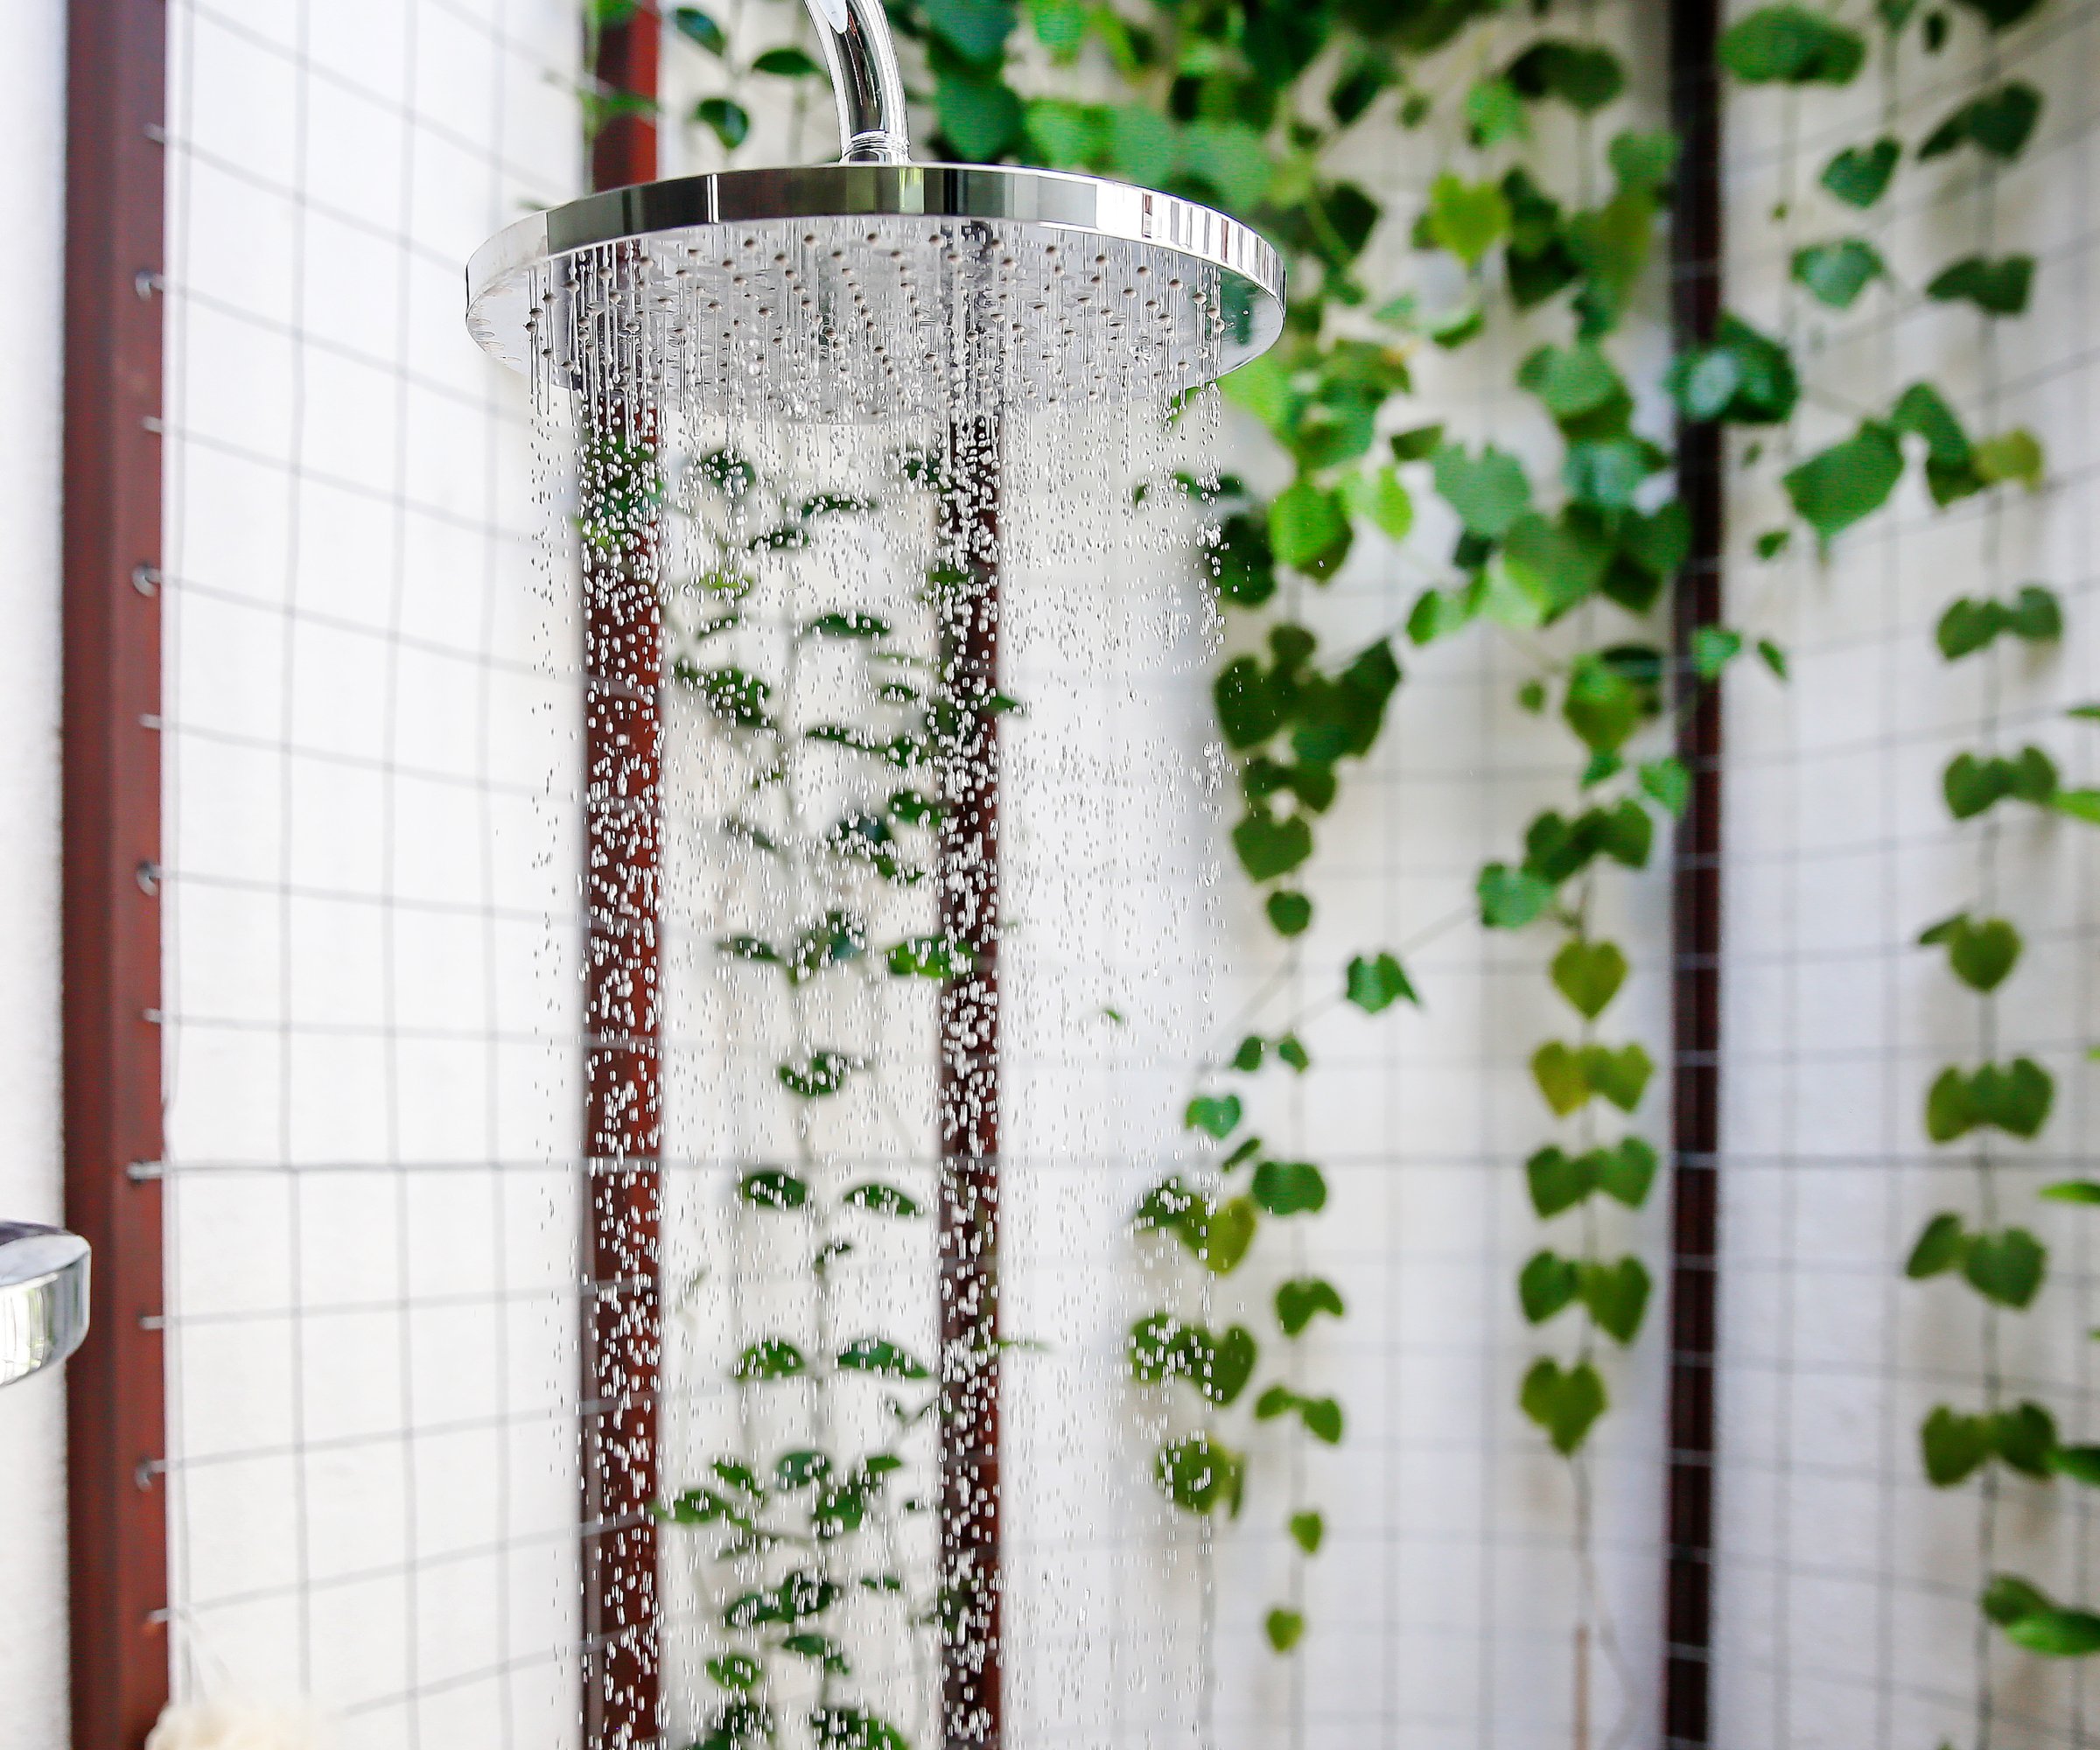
<point>43,1297</point>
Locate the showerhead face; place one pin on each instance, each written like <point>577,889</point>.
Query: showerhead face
<point>859,291</point>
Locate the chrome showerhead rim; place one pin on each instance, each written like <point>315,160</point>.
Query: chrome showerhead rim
<point>500,274</point>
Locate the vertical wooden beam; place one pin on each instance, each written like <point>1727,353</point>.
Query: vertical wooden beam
<point>971,1689</point>
<point>623,1120</point>
<point>116,1410</point>
<point>1695,246</point>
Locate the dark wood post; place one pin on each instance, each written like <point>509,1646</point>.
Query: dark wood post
<point>971,1691</point>
<point>1696,915</point>
<point>623,1119</point>
<point>116,1410</point>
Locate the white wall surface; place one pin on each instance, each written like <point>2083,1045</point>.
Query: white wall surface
<point>32,1414</point>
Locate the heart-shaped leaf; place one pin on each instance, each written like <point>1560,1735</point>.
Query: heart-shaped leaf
<point>1200,1474</point>
<point>1558,1068</point>
<point>1619,1075</point>
<point>1290,1187</point>
<point>1284,1629</point>
<point>1306,1530</point>
<point>2024,1436</point>
<point>1564,1403</point>
<point>2015,1096</point>
<point>880,1356</point>
<point>1511,898</point>
<point>1627,1171</point>
<point>1298,1300</point>
<point>1616,1295</point>
<point>1230,1232</point>
<point>2005,1267</point>
<point>1941,1246</point>
<point>1216,1115</point>
<point>1589,974</point>
<point>1230,1365</point>
<point>1268,847</point>
<point>1546,1284</point>
<point>1558,1180</point>
<point>1953,1445</point>
<point>1376,983</point>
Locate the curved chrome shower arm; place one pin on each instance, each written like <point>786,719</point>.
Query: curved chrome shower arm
<point>873,128</point>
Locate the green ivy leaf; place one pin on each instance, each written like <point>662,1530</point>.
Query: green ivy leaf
<point>1836,273</point>
<point>1571,381</point>
<point>770,1188</point>
<point>1511,898</point>
<point>880,1356</point>
<point>1309,528</point>
<point>1292,1049</point>
<point>1555,565</point>
<point>1997,123</point>
<point>1982,955</point>
<point>2005,1267</point>
<point>1565,1403</point>
<point>2081,1464</point>
<point>975,29</point>
<point>1712,648</point>
<point>1789,45</point>
<point>1488,494</point>
<point>1199,1475</point>
<point>1216,1115</point>
<point>981,116</point>
<point>1582,75</point>
<point>1228,1366</point>
<point>2082,805</point>
<point>2014,455</point>
<point>1557,1181</point>
<point>1289,913</point>
<point>853,1728</point>
<point>727,120</point>
<point>1468,219</point>
<point>772,1358</point>
<point>2024,1436</point>
<point>1376,983</point>
<point>1589,974</point>
<point>735,1670</point>
<point>1941,1246</point>
<point>1836,487</point>
<point>1290,1187</point>
<point>1229,1235</point>
<point>931,956</point>
<point>1644,160</point>
<point>1298,1300</point>
<point>2013,1098</point>
<point>1268,847</point>
<point>1997,287</point>
<point>879,1199</point>
<point>821,1074</point>
<point>1306,1530</point>
<point>1667,781</point>
<point>1546,1284</point>
<point>1619,1077</point>
<point>786,63</point>
<point>1859,175</point>
<point>1627,1171</point>
<point>1616,1297</point>
<point>1323,1419</point>
<point>1610,694</point>
<point>1494,112</point>
<point>1558,1069</point>
<point>1954,1445</point>
<point>1284,1629</point>
<point>697,27</point>
<point>2073,1191</point>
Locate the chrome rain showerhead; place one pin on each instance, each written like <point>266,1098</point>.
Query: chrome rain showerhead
<point>857,290</point>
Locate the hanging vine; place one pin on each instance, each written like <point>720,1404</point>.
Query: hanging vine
<point>1253,105</point>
